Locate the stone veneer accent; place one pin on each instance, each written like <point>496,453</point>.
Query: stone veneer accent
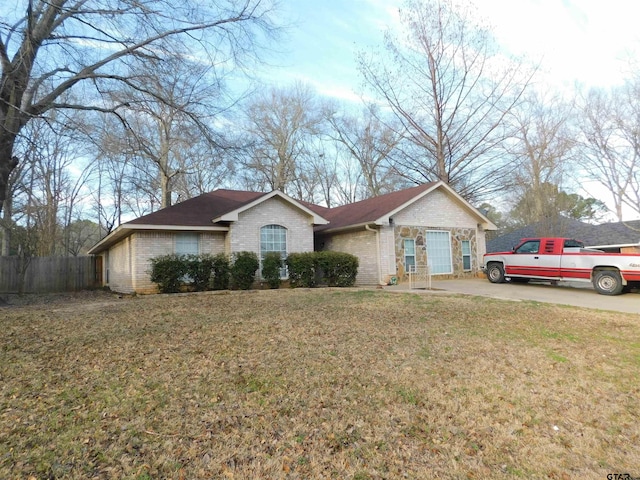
<point>417,233</point>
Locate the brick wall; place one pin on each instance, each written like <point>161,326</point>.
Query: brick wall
<point>148,245</point>
<point>436,209</point>
<point>245,233</point>
<point>387,252</point>
<point>362,244</point>
<point>119,266</point>
<point>130,259</point>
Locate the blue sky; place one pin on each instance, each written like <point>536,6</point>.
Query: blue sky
<point>577,42</point>
<point>586,41</point>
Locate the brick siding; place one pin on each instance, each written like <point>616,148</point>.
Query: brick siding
<point>362,244</point>
<point>245,233</point>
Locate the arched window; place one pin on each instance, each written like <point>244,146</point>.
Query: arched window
<point>273,238</point>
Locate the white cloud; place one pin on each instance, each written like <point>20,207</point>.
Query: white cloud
<point>588,41</point>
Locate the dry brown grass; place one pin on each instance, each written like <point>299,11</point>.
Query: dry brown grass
<point>358,384</point>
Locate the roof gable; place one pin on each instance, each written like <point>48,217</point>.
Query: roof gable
<point>369,210</point>
<point>378,210</point>
<point>232,216</point>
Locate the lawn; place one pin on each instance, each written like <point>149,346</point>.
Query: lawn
<point>325,383</point>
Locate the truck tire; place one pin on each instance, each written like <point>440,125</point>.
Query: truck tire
<point>495,272</point>
<point>607,282</point>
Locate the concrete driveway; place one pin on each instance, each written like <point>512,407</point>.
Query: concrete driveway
<point>566,293</point>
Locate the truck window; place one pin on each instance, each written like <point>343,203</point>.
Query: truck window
<point>532,246</point>
<point>573,243</point>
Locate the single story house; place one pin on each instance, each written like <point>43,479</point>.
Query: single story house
<point>429,224</point>
<point>613,237</point>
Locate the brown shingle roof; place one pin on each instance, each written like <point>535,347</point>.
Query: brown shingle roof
<point>220,205</point>
<point>199,211</point>
<point>369,210</point>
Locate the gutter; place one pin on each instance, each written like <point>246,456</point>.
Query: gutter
<point>345,228</point>
<point>378,259</point>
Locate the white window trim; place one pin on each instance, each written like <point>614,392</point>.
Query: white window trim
<point>286,249</point>
<point>426,234</point>
<point>470,255</point>
<point>404,248</point>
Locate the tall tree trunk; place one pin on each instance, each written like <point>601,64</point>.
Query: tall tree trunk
<point>6,228</point>
<point>165,189</point>
<point>7,163</point>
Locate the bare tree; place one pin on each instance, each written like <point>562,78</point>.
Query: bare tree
<point>611,143</point>
<point>168,118</point>
<point>543,147</point>
<point>371,143</point>
<point>285,126</point>
<point>52,184</point>
<point>204,167</point>
<point>450,91</point>
<point>52,47</point>
<point>80,236</point>
<point>350,182</point>
<point>324,168</point>
<point>111,167</point>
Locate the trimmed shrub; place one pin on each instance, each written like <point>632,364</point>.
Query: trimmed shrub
<point>199,269</point>
<point>302,269</point>
<point>271,265</point>
<point>221,269</point>
<point>338,269</point>
<point>243,270</point>
<point>167,271</point>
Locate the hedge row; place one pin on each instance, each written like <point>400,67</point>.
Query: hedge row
<point>219,272</point>
<point>336,269</point>
<point>201,272</point>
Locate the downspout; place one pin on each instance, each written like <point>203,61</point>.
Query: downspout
<point>378,259</point>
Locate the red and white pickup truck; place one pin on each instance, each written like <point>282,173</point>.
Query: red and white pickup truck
<point>564,259</point>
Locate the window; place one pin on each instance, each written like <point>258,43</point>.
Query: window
<point>273,238</point>
<point>187,243</point>
<point>409,255</point>
<point>573,244</point>
<point>439,252</point>
<point>466,255</point>
<point>532,246</point>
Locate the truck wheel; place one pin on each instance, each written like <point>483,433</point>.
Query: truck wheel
<point>607,282</point>
<point>495,272</point>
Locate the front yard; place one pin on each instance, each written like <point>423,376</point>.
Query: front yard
<point>326,383</point>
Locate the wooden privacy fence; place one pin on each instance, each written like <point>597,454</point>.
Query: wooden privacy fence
<point>49,274</point>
